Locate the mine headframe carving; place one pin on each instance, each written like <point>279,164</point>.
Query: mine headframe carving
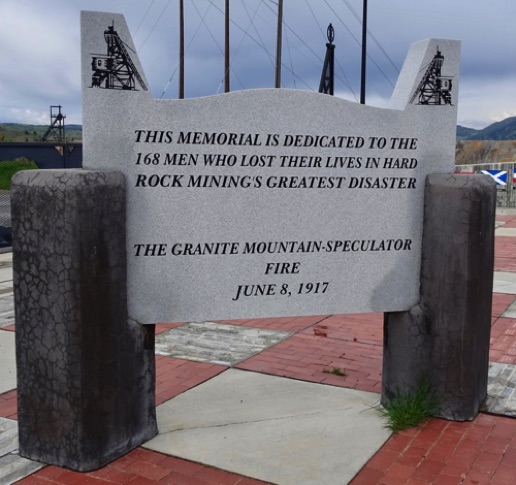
<point>115,70</point>
<point>434,89</point>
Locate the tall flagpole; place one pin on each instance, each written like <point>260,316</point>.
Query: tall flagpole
<point>364,54</point>
<point>279,44</point>
<point>226,51</point>
<point>181,50</point>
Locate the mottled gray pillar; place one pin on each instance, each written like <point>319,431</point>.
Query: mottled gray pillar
<point>446,337</point>
<point>86,374</point>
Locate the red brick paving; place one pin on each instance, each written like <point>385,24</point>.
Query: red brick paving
<point>313,358</point>
<point>503,341</point>
<point>364,328</point>
<point>501,302</point>
<point>163,327</point>
<point>505,218</point>
<point>9,405</point>
<point>444,452</point>
<point>174,376</point>
<point>508,220</point>
<point>285,324</point>
<point>505,257</point>
<point>141,467</point>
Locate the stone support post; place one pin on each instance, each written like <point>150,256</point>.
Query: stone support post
<point>446,337</point>
<point>86,374</point>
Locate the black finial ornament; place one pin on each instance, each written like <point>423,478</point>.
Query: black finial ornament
<point>330,32</point>
<point>326,84</point>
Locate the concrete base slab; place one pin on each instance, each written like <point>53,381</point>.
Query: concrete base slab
<point>506,231</point>
<point>12,466</point>
<point>7,361</point>
<point>274,429</point>
<point>6,273</point>
<point>8,436</point>
<point>6,307</point>
<point>504,282</point>
<point>216,342</point>
<point>506,211</point>
<point>501,389</point>
<point>511,311</point>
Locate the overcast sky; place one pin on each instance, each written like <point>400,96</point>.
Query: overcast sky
<point>40,49</point>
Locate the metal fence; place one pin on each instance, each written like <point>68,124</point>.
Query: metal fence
<point>7,169</point>
<point>503,174</point>
<point>5,219</point>
<point>5,208</point>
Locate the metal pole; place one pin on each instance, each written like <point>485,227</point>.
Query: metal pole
<point>279,44</point>
<point>226,53</point>
<point>364,53</point>
<point>181,50</point>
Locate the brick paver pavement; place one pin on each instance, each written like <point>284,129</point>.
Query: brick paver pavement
<point>141,467</point>
<point>447,453</point>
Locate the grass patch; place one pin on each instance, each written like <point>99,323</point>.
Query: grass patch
<point>9,167</point>
<point>409,409</point>
<point>335,371</point>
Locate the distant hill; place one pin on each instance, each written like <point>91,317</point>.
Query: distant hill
<point>18,132</point>
<point>464,133</point>
<point>501,130</point>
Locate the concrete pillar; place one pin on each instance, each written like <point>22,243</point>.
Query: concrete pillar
<point>86,374</point>
<point>446,337</point>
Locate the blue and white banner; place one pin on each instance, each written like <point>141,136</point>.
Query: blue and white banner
<point>499,176</point>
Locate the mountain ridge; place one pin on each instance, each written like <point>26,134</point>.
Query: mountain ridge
<point>500,130</point>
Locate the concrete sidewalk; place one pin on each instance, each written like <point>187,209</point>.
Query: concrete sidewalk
<point>291,401</point>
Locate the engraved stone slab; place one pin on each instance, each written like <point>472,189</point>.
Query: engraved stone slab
<point>267,202</point>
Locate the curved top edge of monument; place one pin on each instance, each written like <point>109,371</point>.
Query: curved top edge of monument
<point>274,94</point>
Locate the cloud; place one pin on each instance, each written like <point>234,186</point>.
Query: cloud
<point>40,55</point>
<point>487,100</point>
<point>39,59</point>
